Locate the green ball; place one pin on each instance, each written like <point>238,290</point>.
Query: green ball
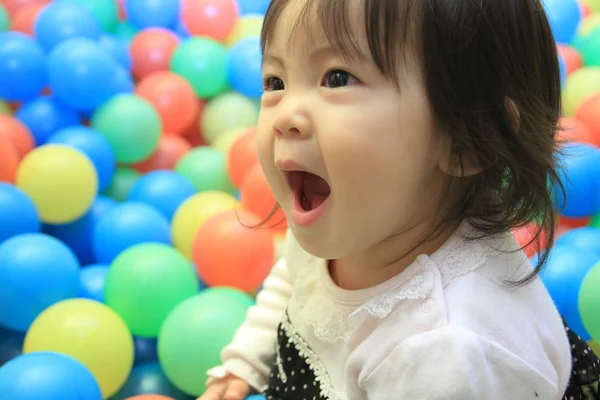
<point>203,62</point>
<point>579,86</point>
<point>4,108</point>
<point>194,334</point>
<point>206,168</point>
<point>106,12</point>
<point>121,184</point>
<point>4,19</point>
<point>588,45</point>
<point>241,297</point>
<point>589,302</point>
<point>125,31</point>
<point>131,125</point>
<point>227,112</point>
<point>145,283</point>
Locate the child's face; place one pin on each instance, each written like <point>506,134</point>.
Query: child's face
<point>374,144</point>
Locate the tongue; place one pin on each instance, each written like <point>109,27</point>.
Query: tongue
<point>315,190</point>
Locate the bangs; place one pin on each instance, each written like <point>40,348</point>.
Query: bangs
<point>388,25</point>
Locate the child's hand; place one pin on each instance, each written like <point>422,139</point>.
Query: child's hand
<point>228,388</point>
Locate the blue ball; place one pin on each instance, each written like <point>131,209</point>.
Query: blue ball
<point>47,375</point>
<point>256,397</point>
<point>181,30</point>
<point>125,226</point>
<point>563,69</point>
<point>117,49</point>
<point>579,171</point>
<point>64,20</point>
<point>145,350</point>
<point>156,13</point>
<point>22,67</point>
<point>36,271</point>
<point>17,213</point>
<point>122,82</point>
<point>149,379</point>
<point>564,16</point>
<point>91,282</point>
<point>44,116</point>
<point>585,239</point>
<point>164,190</point>
<point>253,6</point>
<point>562,276</point>
<point>92,144</point>
<point>78,234</point>
<point>80,73</point>
<point>244,67</point>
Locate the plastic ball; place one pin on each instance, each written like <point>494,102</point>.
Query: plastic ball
<point>593,4</point>
<point>587,45</point>
<point>4,108</point>
<point>89,332</point>
<point>246,26</point>
<point>256,397</point>
<point>588,24</point>
<point>203,63</point>
<point>562,276</point>
<point>226,112</point>
<point>146,350</point>
<point>164,190</point>
<point>127,225</point>
<point>206,169</point>
<point>121,184</point>
<point>126,32</point>
<point>9,161</point>
<point>226,140</point>
<point>78,234</point>
<point>244,269</point>
<point>145,303</point>
<point>22,67</point>
<point>95,146</point>
<point>106,12</point>
<point>152,50</point>
<point>257,197</point>
<point>157,13</point>
<point>17,133</point>
<point>585,239</point>
<point>574,130</point>
<point>241,297</point>
<point>11,345</point>
<point>13,6</point>
<point>242,157</point>
<point>148,382</point>
<point>17,213</point>
<point>193,213</point>
<point>589,301</point>
<point>117,49</point>
<point>244,67</point>
<point>587,114</point>
<point>170,150</point>
<point>47,375</point>
<point>193,335</point>
<point>564,16</point>
<point>61,181</point>
<point>213,18</point>
<point>25,17</point>
<point>62,20</point>
<point>45,115</point>
<point>91,282</point>
<point>579,86</point>
<point>36,271</point>
<point>173,97</point>
<point>138,138</point>
<point>4,19</point>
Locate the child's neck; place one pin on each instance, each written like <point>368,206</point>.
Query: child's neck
<point>385,260</point>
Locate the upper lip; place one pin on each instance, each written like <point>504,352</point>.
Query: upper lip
<point>289,166</point>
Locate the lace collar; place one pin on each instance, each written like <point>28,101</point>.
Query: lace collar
<point>334,314</point>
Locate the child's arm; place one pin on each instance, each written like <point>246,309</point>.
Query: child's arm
<point>252,352</point>
<point>455,364</point>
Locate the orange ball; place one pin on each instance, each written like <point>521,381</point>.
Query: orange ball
<point>149,397</point>
<point>173,97</point>
<point>9,161</point>
<point>13,6</point>
<point>24,19</point>
<point>229,251</point>
<point>572,58</point>
<point>523,236</point>
<point>167,154</point>
<point>257,197</point>
<point>193,132</point>
<point>17,133</point>
<point>151,51</point>
<point>242,157</point>
<point>589,114</point>
<point>213,18</point>
<point>572,130</point>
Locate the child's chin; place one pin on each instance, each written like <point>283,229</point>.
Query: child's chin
<point>317,244</point>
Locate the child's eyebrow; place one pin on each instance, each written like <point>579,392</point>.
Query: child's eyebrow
<point>315,54</point>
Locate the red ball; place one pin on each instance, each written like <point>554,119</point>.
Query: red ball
<point>228,251</point>
<point>169,151</point>
<point>524,235</point>
<point>589,114</point>
<point>16,133</point>
<point>25,17</point>
<point>9,161</point>
<point>242,157</point>
<point>213,18</point>
<point>151,51</point>
<point>257,197</point>
<point>572,58</point>
<point>572,130</point>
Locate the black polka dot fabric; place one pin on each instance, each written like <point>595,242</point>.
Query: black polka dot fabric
<point>586,370</point>
<point>292,376</point>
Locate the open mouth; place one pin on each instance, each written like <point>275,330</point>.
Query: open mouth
<point>310,190</point>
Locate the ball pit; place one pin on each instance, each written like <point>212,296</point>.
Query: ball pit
<point>127,129</point>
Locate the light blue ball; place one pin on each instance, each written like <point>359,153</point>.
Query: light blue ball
<point>22,67</point>
<point>585,238</point>
<point>17,213</point>
<point>91,282</point>
<point>156,13</point>
<point>253,6</point>
<point>244,67</point>
<point>117,49</point>
<point>44,116</point>
<point>564,16</point>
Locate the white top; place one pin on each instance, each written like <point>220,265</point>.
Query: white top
<point>447,328</point>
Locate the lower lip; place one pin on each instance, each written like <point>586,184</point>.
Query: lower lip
<point>307,218</point>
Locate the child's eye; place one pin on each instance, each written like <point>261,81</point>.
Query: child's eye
<point>272,84</point>
<point>338,78</point>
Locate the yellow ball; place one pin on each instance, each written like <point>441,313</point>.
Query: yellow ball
<point>193,213</point>
<point>579,86</point>
<point>593,4</point>
<point>226,112</point>
<point>90,332</point>
<point>224,141</point>
<point>589,24</point>
<point>61,181</point>
<point>245,27</point>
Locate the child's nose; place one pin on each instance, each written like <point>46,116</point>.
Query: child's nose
<point>292,120</point>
